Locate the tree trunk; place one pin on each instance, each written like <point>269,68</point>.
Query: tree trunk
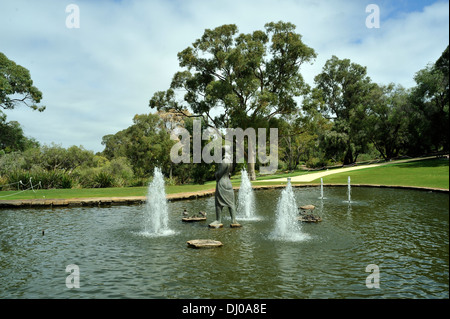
<point>251,171</point>
<point>348,159</point>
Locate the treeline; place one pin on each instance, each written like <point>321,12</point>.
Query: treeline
<point>345,117</point>
<point>128,159</point>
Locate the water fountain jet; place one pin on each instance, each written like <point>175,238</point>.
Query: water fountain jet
<point>349,190</point>
<point>156,222</point>
<point>321,189</point>
<point>287,226</point>
<point>246,199</point>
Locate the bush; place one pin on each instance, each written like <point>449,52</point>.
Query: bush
<point>121,170</point>
<point>66,181</point>
<point>103,180</point>
<point>315,162</point>
<point>171,181</point>
<point>93,178</point>
<point>202,173</point>
<point>37,175</point>
<point>11,162</point>
<point>49,179</point>
<point>84,177</point>
<point>3,183</point>
<point>139,182</point>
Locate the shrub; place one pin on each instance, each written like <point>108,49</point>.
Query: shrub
<point>85,177</point>
<point>4,183</point>
<point>139,182</point>
<point>121,170</point>
<point>171,181</point>
<point>315,162</point>
<point>38,175</point>
<point>103,179</point>
<point>11,162</point>
<point>66,181</point>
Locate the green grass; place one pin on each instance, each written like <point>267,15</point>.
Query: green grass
<point>98,192</point>
<point>74,193</point>
<point>424,173</point>
<point>427,173</point>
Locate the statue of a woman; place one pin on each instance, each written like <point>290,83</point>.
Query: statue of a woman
<point>224,196</point>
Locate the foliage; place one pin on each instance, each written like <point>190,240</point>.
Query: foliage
<point>103,180</point>
<point>429,108</point>
<point>120,171</point>
<point>247,78</point>
<point>40,178</point>
<point>315,162</point>
<point>145,144</point>
<point>11,162</point>
<point>12,137</point>
<point>342,94</point>
<point>56,167</point>
<point>16,86</point>
<point>240,80</point>
<point>386,122</point>
<point>298,137</point>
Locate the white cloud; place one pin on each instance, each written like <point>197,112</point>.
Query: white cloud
<point>96,78</point>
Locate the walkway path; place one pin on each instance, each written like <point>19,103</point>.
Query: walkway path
<point>314,176</point>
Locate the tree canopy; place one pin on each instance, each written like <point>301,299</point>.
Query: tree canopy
<point>12,137</point>
<point>429,103</point>
<point>16,86</point>
<point>146,144</point>
<point>244,74</point>
<point>342,94</point>
<point>240,80</point>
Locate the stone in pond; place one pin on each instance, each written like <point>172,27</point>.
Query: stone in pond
<point>193,219</point>
<point>204,243</point>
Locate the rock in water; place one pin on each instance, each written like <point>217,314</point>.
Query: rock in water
<point>193,219</point>
<point>204,243</point>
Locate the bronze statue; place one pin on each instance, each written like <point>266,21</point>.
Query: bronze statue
<point>224,195</point>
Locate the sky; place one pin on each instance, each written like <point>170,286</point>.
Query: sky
<point>97,76</point>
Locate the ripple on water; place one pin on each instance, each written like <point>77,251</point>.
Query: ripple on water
<point>389,228</point>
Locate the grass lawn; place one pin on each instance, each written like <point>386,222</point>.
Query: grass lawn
<point>98,192</point>
<point>425,173</point>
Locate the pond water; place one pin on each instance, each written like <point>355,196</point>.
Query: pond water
<point>405,233</point>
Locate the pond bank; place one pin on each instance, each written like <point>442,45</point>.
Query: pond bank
<point>136,200</point>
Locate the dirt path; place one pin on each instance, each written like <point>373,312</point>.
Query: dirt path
<point>313,176</point>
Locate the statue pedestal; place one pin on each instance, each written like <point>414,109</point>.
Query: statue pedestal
<point>215,225</point>
<point>235,225</point>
